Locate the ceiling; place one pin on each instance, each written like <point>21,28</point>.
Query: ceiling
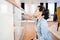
<point>38,1</point>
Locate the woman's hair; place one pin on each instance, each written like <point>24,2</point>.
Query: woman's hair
<point>41,4</point>
<point>45,12</point>
<point>40,8</point>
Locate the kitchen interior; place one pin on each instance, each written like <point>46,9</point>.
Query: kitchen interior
<point>16,26</point>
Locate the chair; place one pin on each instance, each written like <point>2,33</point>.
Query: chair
<point>58,16</point>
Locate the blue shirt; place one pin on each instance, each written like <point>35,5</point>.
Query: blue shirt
<point>42,29</point>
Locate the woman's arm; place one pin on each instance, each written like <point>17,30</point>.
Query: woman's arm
<point>28,15</point>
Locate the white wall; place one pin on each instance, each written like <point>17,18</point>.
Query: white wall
<point>6,23</point>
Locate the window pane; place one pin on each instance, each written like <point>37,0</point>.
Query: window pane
<point>51,8</point>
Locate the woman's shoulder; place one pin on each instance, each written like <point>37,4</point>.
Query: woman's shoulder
<point>43,21</point>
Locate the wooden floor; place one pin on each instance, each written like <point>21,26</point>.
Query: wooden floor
<point>33,34</point>
<point>49,25</point>
<point>54,37</point>
<point>30,32</point>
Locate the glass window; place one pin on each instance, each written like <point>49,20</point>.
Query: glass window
<point>51,8</point>
<point>30,8</point>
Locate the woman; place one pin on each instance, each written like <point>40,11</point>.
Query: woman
<point>41,24</point>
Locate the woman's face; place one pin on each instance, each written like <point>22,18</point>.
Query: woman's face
<point>37,12</point>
